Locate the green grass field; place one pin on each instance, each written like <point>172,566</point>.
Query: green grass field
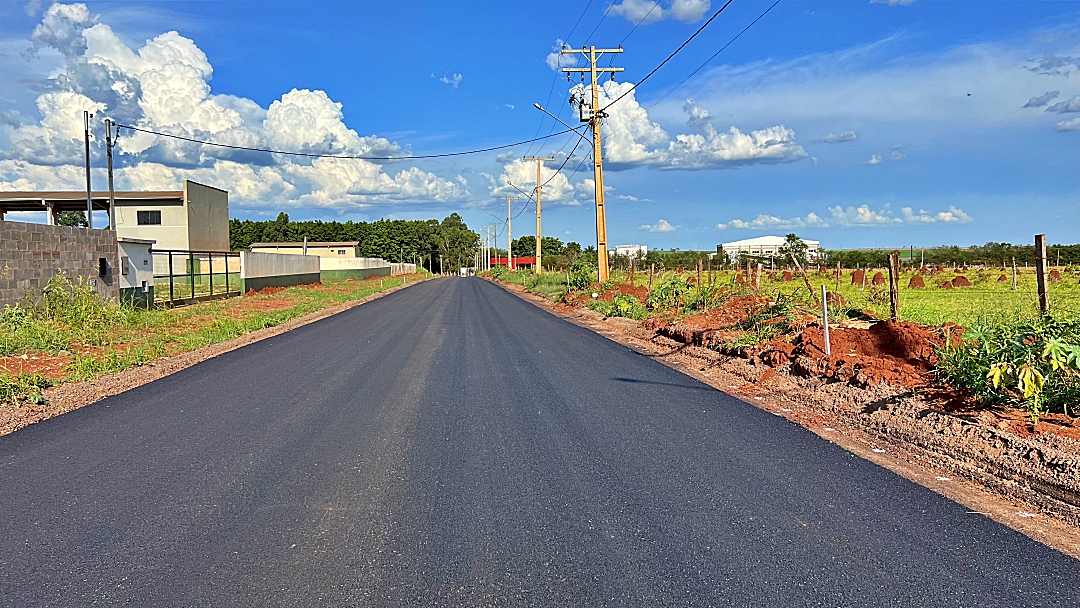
<point>104,337</point>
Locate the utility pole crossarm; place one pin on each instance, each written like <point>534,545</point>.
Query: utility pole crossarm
<point>589,70</point>
<point>586,51</point>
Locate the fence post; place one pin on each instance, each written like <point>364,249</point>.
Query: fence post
<point>1014,272</point>
<point>172,296</point>
<point>1040,272</point>
<point>838,277</point>
<point>211,254</point>
<point>802,273</point>
<point>894,286</point>
<point>825,319</point>
<point>226,275</point>
<point>698,274</point>
<point>191,272</point>
<point>652,269</point>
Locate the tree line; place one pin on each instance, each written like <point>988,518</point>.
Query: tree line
<point>422,242</point>
<point>990,254</point>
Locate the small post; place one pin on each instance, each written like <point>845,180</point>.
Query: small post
<point>757,276</point>
<point>226,275</point>
<point>172,296</point>
<point>825,319</point>
<point>838,277</point>
<point>894,286</point>
<point>862,282</point>
<point>305,245</point>
<point>1014,272</point>
<point>633,266</point>
<point>211,254</point>
<point>1040,272</point>
<point>191,272</point>
<point>708,262</point>
<point>652,269</point>
<point>699,273</point>
<point>802,273</point>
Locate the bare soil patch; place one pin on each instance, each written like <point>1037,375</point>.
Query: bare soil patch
<point>50,366</point>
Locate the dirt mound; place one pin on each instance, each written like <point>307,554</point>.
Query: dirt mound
<point>879,279</point>
<point>1055,275</point>
<point>945,285</point>
<point>787,276</point>
<point>740,279</point>
<point>835,300</point>
<point>1002,279</point>
<point>858,277</point>
<point>638,291</point>
<point>916,282</point>
<point>892,353</point>
<point>961,282</point>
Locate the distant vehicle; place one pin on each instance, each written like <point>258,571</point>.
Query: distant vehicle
<point>466,272</point>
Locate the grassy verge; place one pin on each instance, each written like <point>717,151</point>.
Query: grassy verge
<point>98,337</point>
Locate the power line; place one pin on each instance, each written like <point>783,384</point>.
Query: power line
<point>673,53</point>
<point>555,76</point>
<point>344,156</point>
<point>656,3</point>
<point>608,10</point>
<point>645,111</point>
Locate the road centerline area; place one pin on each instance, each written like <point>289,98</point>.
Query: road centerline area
<point>451,444</point>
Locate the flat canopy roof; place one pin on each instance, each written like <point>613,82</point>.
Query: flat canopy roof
<point>76,200</point>
<point>310,244</point>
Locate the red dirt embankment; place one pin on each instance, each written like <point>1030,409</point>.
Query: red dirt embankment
<point>894,353</point>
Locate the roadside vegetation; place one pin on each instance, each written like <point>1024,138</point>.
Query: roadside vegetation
<point>71,334</point>
<point>1010,355</point>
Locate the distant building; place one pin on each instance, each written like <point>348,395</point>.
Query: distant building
<point>630,251</point>
<point>339,249</point>
<point>763,246</point>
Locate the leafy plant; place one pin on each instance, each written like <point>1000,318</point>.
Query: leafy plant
<point>622,305</point>
<point>1032,365</point>
<point>668,293</point>
<point>29,387</point>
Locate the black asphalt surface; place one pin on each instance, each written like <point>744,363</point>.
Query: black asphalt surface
<point>453,445</point>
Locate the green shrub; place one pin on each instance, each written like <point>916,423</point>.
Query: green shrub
<point>622,305</point>
<point>669,293</point>
<point>1031,365</point>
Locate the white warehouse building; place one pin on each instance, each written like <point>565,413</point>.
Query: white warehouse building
<point>764,246</point>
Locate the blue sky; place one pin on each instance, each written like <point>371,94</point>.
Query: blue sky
<point>855,123</point>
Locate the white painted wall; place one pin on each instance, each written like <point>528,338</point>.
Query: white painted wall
<point>255,265</point>
<point>352,263</point>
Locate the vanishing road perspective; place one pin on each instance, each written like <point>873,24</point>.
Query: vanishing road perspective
<point>451,444</point>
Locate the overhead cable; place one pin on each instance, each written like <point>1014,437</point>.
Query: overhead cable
<point>343,156</point>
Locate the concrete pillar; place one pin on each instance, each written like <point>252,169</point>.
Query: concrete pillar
<point>52,218</point>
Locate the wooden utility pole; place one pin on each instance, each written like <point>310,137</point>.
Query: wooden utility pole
<point>509,234</point>
<point>539,251</point>
<point>894,286</point>
<point>592,114</point>
<point>1040,272</point>
<point>89,194</point>
<point>108,152</point>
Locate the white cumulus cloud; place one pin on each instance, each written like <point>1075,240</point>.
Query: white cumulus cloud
<point>1069,125</point>
<point>875,159</point>
<point>164,86</point>
<point>661,225</point>
<point>633,140</point>
<point>836,138</point>
<point>851,216</point>
<point>645,12</point>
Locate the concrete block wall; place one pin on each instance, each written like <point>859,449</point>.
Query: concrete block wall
<point>31,254</point>
<point>353,268</point>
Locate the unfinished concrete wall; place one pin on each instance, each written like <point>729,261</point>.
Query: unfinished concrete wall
<point>30,254</point>
<point>208,217</point>
<point>261,270</point>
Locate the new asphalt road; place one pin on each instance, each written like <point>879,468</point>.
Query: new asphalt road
<point>452,445</point>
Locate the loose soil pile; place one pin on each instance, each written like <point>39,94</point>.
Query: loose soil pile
<point>961,282</point>
<point>879,279</point>
<point>916,282</point>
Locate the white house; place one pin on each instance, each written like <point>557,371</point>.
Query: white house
<point>764,246</point>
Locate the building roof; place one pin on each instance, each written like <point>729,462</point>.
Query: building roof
<point>766,241</point>
<point>309,244</point>
<point>75,200</point>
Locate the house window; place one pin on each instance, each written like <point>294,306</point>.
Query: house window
<point>149,218</point>
<point>341,252</point>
